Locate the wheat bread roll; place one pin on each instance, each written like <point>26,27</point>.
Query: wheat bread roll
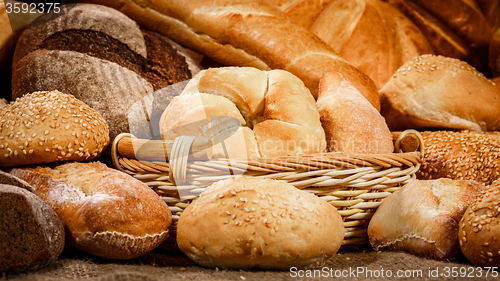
<point>246,222</point>
<point>250,33</point>
<point>422,217</point>
<point>350,122</point>
<point>439,92</point>
<point>277,113</point>
<point>461,155</point>
<point>105,212</point>
<point>31,233</point>
<point>479,228</point>
<point>350,26</point>
<point>45,127</point>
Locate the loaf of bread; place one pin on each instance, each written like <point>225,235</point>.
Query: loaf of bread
<point>250,33</point>
<point>455,28</point>
<point>45,127</point>
<point>461,155</point>
<point>277,113</point>
<point>438,92</point>
<point>422,217</point>
<point>248,222</point>
<point>350,122</point>
<point>105,212</point>
<point>103,58</point>
<point>480,228</point>
<point>371,35</point>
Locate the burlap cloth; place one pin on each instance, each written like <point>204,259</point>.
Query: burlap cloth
<point>353,264</point>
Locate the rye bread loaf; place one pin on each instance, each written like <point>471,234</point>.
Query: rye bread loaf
<point>100,56</point>
<point>31,233</point>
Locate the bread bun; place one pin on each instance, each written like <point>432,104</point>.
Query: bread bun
<point>350,122</point>
<point>350,26</point>
<point>422,217</point>
<point>45,127</point>
<point>247,222</point>
<point>105,212</point>
<point>439,92</point>
<point>274,104</point>
<point>480,228</point>
<point>462,155</point>
<point>31,234</point>
<point>103,58</point>
<point>246,34</point>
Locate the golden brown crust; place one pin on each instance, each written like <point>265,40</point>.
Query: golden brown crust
<point>350,122</point>
<point>106,212</point>
<point>479,231</point>
<point>440,92</point>
<point>275,104</point>
<point>422,217</point>
<point>252,33</point>
<point>461,155</point>
<point>45,127</point>
<point>247,222</point>
<point>349,26</point>
<point>301,12</point>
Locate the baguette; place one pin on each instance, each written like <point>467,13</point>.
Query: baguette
<point>249,33</point>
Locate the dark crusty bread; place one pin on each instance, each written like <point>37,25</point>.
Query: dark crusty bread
<point>100,56</point>
<point>31,234</point>
<point>105,212</point>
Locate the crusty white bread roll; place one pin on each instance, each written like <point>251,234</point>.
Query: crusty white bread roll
<point>105,212</point>
<point>277,112</point>
<point>422,217</point>
<point>480,228</point>
<point>461,155</point>
<point>439,92</point>
<point>350,26</point>
<point>350,122</point>
<point>45,127</point>
<point>250,33</point>
<point>248,222</point>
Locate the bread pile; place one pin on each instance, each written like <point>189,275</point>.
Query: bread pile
<point>101,57</point>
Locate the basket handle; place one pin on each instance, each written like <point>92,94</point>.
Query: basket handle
<point>408,141</point>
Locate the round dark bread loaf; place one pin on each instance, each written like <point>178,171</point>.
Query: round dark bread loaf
<point>31,234</point>
<point>101,57</point>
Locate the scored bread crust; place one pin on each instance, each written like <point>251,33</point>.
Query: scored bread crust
<point>248,222</point>
<point>275,104</point>
<point>422,217</point>
<point>250,33</point>
<point>107,213</point>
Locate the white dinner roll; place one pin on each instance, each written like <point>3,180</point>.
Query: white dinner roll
<point>247,222</point>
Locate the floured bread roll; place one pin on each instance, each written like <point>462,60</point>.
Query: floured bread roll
<point>277,113</point>
<point>422,217</point>
<point>248,222</point>
<point>439,92</point>
<point>351,123</point>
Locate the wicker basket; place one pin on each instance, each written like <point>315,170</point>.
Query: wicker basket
<point>354,184</point>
